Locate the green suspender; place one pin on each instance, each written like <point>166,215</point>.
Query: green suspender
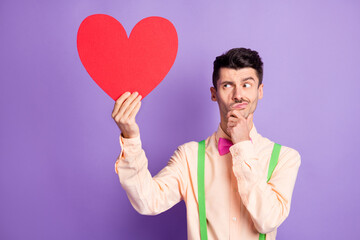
<point>201,190</point>
<point>201,185</point>
<point>273,162</point>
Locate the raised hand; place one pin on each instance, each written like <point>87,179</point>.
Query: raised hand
<point>125,109</point>
<point>238,126</point>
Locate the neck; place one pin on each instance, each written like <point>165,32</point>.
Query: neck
<point>223,127</point>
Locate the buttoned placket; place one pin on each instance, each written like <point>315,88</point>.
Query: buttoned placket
<point>234,210</point>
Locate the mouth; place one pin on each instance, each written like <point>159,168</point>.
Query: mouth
<point>239,105</point>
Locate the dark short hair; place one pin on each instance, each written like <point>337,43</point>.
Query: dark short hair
<point>238,58</point>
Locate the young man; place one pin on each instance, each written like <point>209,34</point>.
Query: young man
<point>241,200</point>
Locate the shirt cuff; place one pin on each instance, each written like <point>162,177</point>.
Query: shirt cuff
<point>130,146</point>
<point>241,151</point>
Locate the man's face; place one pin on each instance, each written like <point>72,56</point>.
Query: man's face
<point>237,90</point>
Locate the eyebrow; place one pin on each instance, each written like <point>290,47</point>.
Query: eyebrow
<point>242,80</point>
<point>248,78</point>
<point>227,82</point>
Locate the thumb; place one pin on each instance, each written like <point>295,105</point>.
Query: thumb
<point>250,118</point>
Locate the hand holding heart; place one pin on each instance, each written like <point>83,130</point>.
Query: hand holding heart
<point>124,113</point>
<point>238,126</point>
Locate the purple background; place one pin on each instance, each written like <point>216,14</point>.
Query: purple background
<point>58,142</point>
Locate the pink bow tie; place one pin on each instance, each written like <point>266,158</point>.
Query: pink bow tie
<point>224,145</point>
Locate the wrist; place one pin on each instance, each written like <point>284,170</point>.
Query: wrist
<point>127,135</point>
<point>243,139</point>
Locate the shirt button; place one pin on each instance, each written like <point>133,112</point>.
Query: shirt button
<point>234,219</point>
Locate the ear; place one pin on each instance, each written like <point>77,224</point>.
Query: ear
<point>213,94</point>
<point>260,91</point>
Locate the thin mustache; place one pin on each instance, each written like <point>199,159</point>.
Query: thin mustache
<point>240,101</point>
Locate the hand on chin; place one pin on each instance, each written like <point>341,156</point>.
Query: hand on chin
<point>243,112</point>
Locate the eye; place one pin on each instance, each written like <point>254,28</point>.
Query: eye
<point>247,85</point>
<point>226,85</point>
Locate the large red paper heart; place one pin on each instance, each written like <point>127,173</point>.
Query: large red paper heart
<point>118,63</point>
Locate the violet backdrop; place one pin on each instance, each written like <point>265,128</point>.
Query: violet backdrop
<point>58,142</point>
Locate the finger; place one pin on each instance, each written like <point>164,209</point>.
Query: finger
<point>131,107</point>
<point>231,124</point>
<point>250,118</point>
<point>230,114</point>
<point>135,110</point>
<point>119,102</point>
<point>234,113</point>
<point>232,119</point>
<point>126,104</point>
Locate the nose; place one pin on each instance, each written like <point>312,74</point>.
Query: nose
<point>237,93</point>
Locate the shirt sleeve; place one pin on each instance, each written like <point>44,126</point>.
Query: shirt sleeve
<point>267,202</point>
<point>150,195</point>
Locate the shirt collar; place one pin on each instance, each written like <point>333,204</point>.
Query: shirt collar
<point>221,134</point>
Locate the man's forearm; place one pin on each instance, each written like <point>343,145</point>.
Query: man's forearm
<point>148,195</point>
<point>267,203</point>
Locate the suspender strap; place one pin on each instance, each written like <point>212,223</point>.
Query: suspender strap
<point>201,190</point>
<point>201,185</point>
<point>273,162</point>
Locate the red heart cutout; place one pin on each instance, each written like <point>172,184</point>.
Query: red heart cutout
<point>118,63</point>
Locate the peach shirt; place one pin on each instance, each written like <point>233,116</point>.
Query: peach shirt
<point>239,201</point>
